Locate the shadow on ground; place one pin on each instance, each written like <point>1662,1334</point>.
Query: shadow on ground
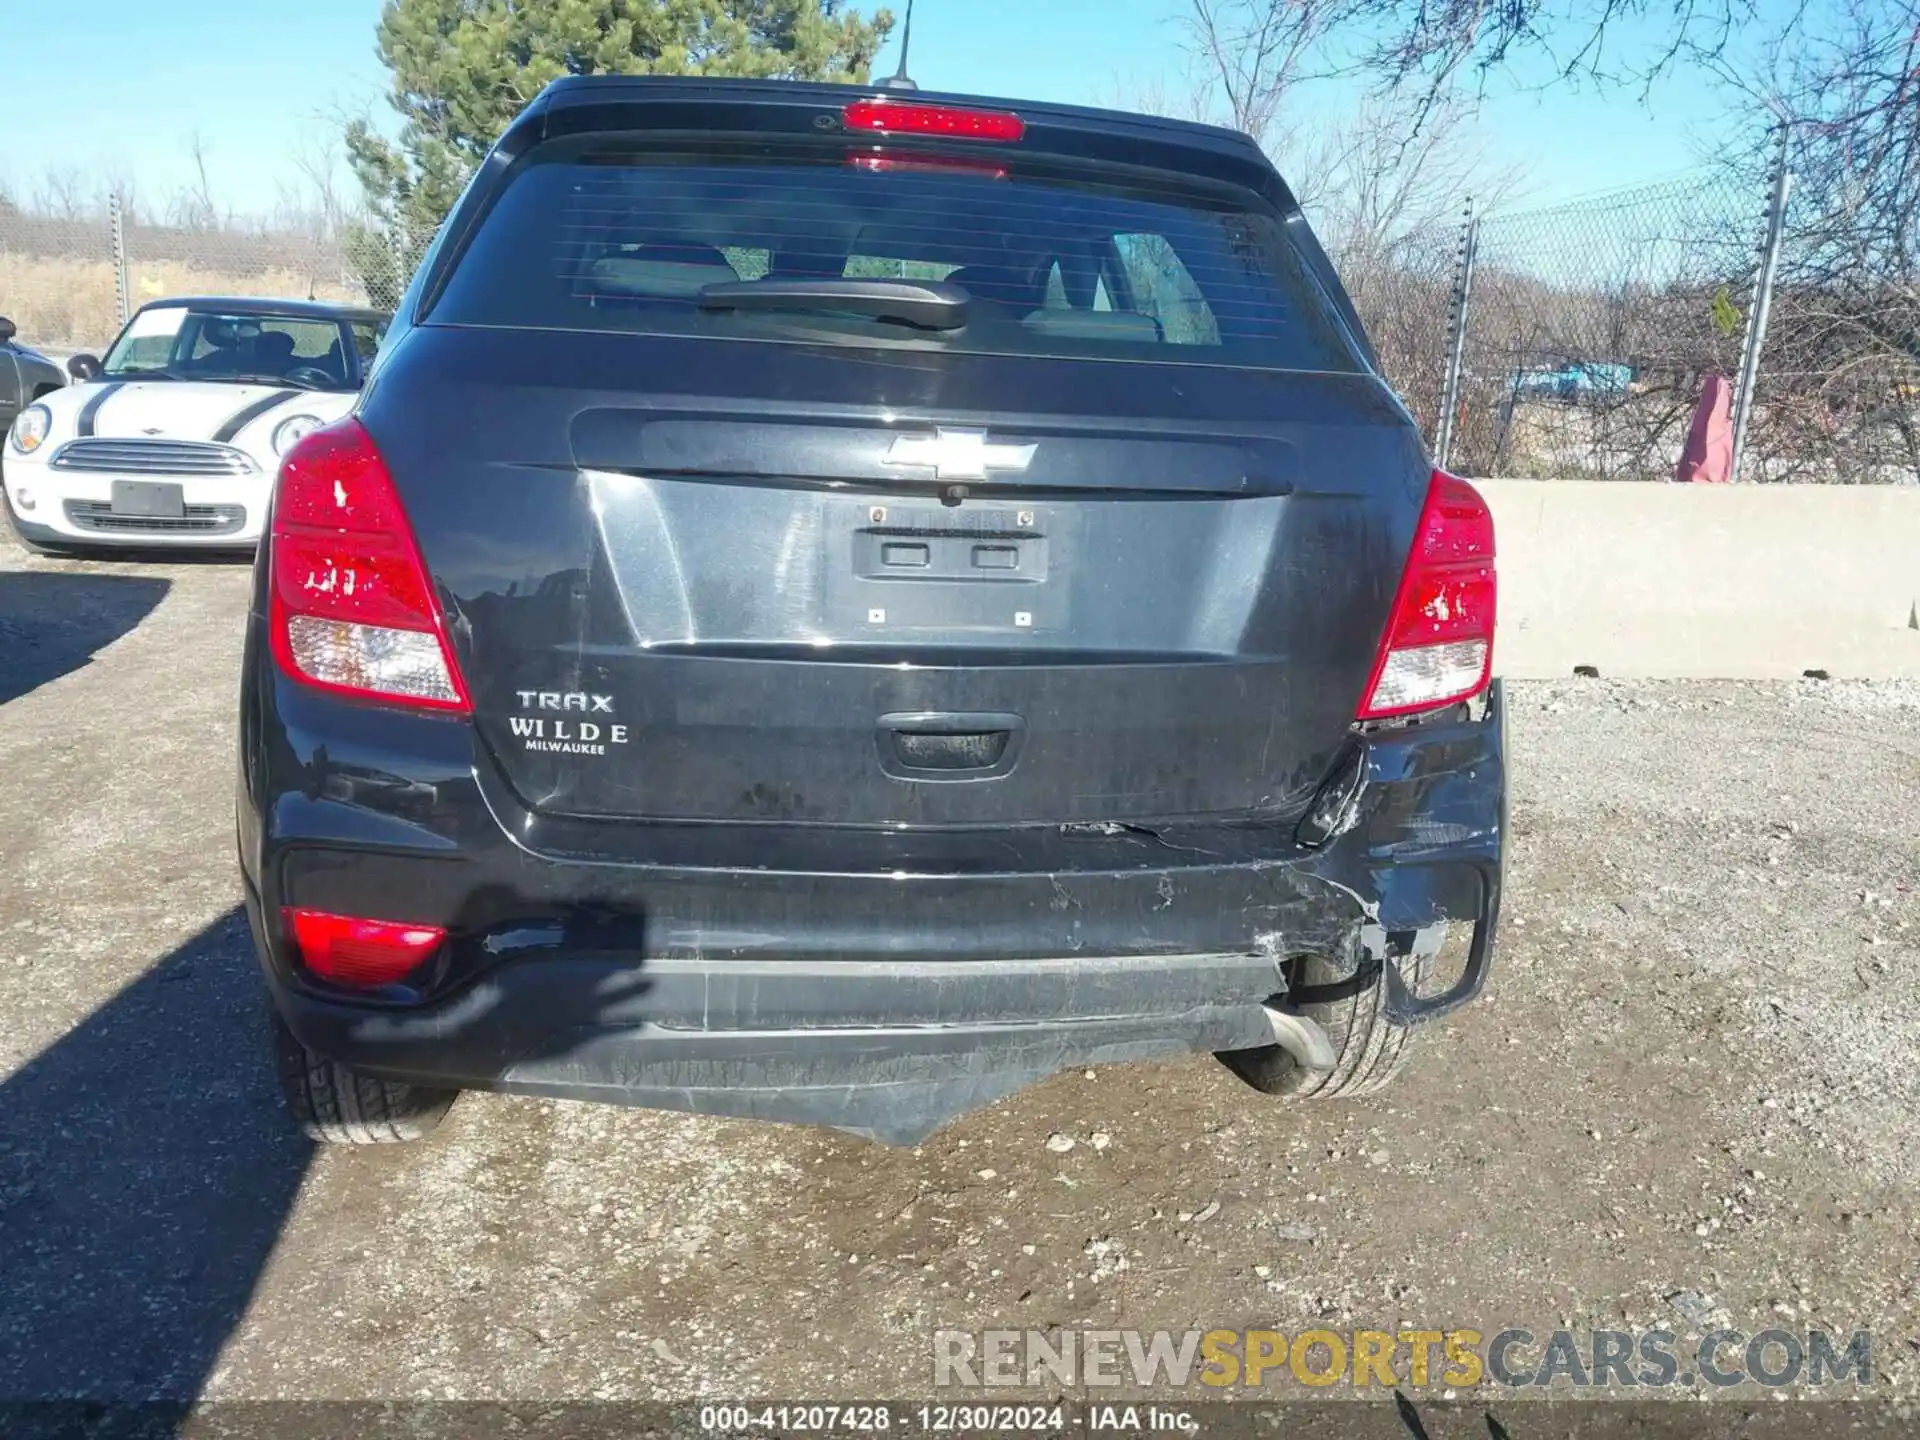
<point>146,1170</point>
<point>53,621</point>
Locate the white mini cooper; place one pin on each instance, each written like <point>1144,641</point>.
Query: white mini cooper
<point>174,438</point>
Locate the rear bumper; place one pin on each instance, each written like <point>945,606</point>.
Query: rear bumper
<point>879,982</point>
<point>807,1042</point>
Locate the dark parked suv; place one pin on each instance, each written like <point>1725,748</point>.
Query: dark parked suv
<point>835,605</point>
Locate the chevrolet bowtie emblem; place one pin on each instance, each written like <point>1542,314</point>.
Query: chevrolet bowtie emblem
<point>958,454</point>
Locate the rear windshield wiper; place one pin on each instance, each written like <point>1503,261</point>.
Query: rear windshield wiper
<point>927,304</point>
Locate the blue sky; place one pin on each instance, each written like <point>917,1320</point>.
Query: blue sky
<point>258,81</point>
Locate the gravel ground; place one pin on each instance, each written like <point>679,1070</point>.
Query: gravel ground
<point>1692,1076</point>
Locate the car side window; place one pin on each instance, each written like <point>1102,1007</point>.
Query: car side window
<point>889,267</point>
<point>749,263</point>
<point>1057,297</point>
<point>148,352</point>
<point>1164,290</point>
<point>310,341</point>
<point>366,340</point>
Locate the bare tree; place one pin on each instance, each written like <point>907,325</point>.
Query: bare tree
<point>1253,52</point>
<point>1401,158</point>
<point>318,162</point>
<point>61,193</point>
<point>1382,172</point>
<point>311,206</point>
<point>1840,391</point>
<point>1440,43</point>
<point>193,206</point>
<point>120,186</point>
<point>1185,94</point>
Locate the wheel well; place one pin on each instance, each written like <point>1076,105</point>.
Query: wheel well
<point>42,391</point>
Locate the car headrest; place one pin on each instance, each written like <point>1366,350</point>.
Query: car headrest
<point>667,270</point>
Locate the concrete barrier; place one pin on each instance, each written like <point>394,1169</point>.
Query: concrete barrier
<point>1707,581</point>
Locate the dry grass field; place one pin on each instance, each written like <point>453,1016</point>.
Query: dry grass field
<point>69,303</point>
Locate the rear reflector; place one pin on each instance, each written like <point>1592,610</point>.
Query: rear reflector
<point>352,607</point>
<point>1438,645</point>
<point>365,954</point>
<point>895,117</point>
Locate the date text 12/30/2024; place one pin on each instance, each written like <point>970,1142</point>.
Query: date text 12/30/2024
<point>941,1419</point>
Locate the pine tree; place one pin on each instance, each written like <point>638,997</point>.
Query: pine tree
<point>462,69</point>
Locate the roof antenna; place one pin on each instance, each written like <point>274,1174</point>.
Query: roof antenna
<point>900,80</point>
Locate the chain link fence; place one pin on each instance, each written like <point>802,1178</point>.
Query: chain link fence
<point>1590,330</point>
<point>1579,338</point>
<point>1404,290</point>
<point>1836,397</point>
<point>68,283</point>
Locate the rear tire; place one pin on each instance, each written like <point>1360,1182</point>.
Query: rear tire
<point>1370,1051</point>
<point>337,1105</point>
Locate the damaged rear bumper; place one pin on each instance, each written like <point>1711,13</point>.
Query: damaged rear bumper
<point>878,982</point>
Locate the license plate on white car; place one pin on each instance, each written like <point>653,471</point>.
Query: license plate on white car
<point>146,498</point>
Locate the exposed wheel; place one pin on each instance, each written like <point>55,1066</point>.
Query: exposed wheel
<point>340,1106</point>
<point>1370,1051</point>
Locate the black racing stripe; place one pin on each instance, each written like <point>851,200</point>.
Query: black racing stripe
<point>247,414</point>
<point>84,425</point>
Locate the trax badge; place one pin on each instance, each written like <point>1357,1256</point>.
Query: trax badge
<point>565,700</point>
<point>562,736</point>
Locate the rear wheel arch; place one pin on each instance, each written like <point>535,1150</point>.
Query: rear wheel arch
<point>1370,1050</point>
<point>338,1105</point>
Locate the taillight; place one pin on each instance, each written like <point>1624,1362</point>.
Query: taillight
<point>365,954</point>
<point>352,608</point>
<point>906,117</point>
<point>1438,646</point>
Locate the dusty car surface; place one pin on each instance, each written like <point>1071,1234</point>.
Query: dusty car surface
<point>835,606</point>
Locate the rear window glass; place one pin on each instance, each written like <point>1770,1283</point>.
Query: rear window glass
<point>628,241</point>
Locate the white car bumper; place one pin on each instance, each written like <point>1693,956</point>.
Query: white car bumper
<point>60,507</point>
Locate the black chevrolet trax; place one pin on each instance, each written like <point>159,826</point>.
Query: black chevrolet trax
<point>835,605</point>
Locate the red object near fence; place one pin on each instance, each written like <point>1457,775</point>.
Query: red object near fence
<point>1708,458</point>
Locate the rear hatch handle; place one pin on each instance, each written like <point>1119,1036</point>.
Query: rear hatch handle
<point>942,745</point>
<point>926,304</point>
